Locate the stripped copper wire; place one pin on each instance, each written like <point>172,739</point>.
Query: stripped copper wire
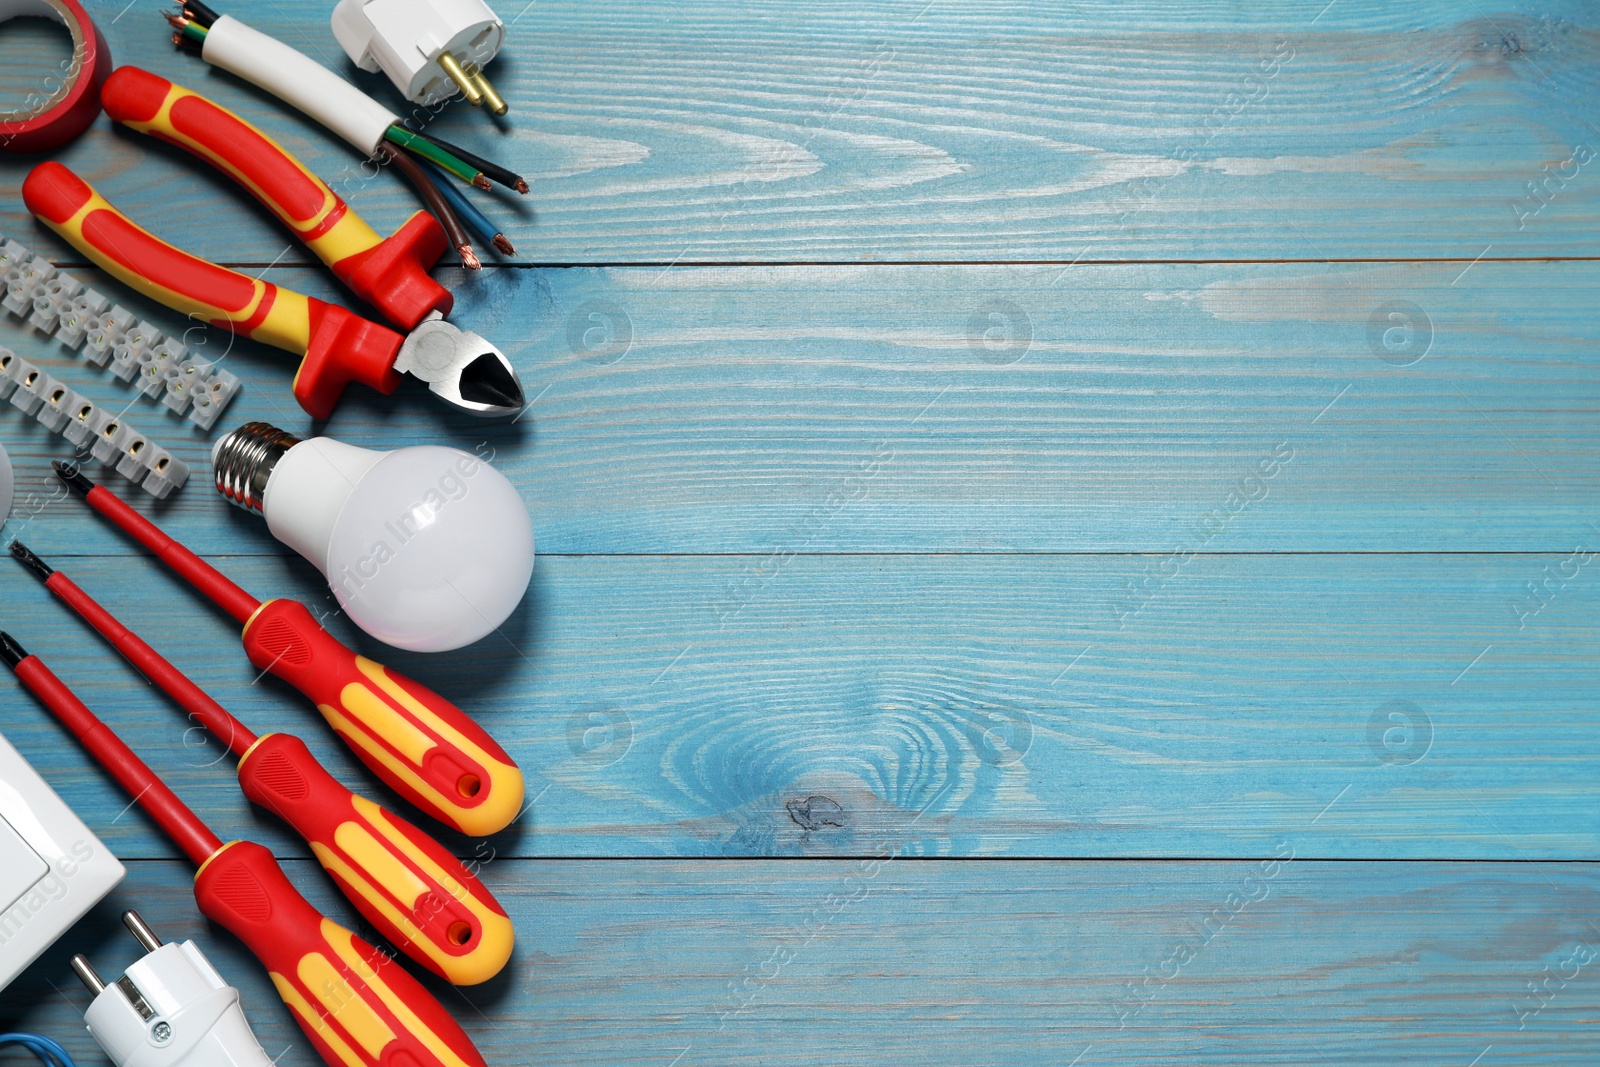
<point>455,231</point>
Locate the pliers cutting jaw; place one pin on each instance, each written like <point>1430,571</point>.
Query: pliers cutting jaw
<point>461,368</point>
<point>390,274</point>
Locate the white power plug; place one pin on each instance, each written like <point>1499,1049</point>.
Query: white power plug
<point>429,48</point>
<point>169,1008</point>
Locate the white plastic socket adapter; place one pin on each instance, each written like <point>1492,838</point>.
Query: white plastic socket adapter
<point>426,548</point>
<point>404,39</point>
<point>169,1009</point>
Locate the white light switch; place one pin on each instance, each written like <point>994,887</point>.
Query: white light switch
<point>52,868</point>
<point>20,866</point>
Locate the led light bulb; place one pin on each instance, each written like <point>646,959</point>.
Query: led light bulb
<point>425,548</point>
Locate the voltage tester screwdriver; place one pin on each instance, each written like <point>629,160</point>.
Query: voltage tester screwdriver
<point>423,746</point>
<point>358,1007</point>
<point>415,893</point>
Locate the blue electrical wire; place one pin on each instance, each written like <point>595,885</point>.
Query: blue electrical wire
<point>469,213</point>
<point>49,1053</point>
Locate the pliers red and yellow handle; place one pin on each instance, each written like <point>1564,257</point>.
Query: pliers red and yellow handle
<point>338,347</point>
<point>390,274</point>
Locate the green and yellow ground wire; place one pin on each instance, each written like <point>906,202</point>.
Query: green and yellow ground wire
<point>434,154</point>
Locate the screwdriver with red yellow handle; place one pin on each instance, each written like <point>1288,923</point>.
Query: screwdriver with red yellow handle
<point>358,1007</point>
<point>337,346</point>
<point>406,884</point>
<point>423,746</point>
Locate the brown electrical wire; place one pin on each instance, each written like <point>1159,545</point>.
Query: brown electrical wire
<point>453,228</point>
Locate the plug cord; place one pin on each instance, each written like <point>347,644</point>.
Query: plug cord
<point>50,1053</point>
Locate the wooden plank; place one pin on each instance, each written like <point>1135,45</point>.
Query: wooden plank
<point>983,409</point>
<point>907,130</point>
<point>1379,706</point>
<point>986,963</point>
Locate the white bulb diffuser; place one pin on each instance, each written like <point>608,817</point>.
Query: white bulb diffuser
<point>426,548</point>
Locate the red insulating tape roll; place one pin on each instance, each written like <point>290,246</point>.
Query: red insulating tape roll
<point>64,104</point>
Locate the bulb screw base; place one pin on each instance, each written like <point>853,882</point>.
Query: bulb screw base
<point>242,461</point>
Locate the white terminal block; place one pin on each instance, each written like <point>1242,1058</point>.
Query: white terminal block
<point>161,368</point>
<point>169,1009</point>
<point>404,39</point>
<point>108,439</point>
<point>52,869</point>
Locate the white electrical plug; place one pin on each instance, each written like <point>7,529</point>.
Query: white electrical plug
<point>429,48</point>
<point>169,1008</point>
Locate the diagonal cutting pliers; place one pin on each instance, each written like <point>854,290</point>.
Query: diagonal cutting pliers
<point>338,346</point>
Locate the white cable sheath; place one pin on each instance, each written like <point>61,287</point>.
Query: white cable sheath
<point>297,79</point>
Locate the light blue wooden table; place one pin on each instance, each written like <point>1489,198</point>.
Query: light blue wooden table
<point>1065,529</point>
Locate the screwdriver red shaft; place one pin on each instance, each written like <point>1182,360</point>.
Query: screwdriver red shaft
<point>131,772</point>
<point>169,679</point>
<point>196,571</point>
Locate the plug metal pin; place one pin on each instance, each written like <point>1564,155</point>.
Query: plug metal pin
<point>86,974</point>
<point>141,930</point>
<point>491,98</point>
<point>463,80</point>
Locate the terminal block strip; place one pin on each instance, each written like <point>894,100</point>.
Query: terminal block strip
<point>95,431</point>
<point>109,335</point>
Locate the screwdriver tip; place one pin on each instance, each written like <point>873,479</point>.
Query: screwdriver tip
<point>72,476</point>
<point>10,651</point>
<point>25,556</point>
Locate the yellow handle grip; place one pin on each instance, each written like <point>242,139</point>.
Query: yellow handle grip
<point>358,1007</point>
<point>389,273</point>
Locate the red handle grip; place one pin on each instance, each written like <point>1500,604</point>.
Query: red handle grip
<point>423,746</point>
<point>416,894</point>
<point>358,1007</point>
<point>390,274</point>
<point>338,347</point>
